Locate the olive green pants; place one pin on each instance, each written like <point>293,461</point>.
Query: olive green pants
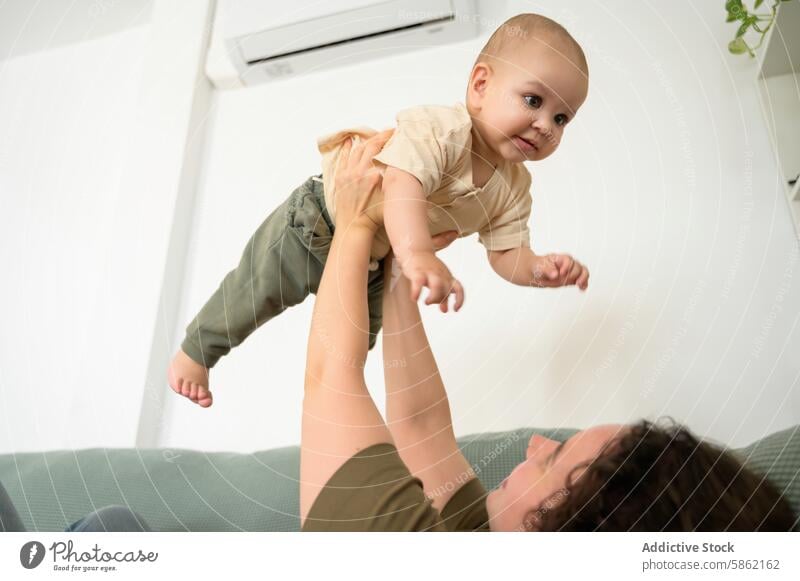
<point>280,266</point>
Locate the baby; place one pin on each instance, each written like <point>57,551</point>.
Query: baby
<point>445,168</point>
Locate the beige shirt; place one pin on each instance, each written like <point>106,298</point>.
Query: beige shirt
<point>434,144</point>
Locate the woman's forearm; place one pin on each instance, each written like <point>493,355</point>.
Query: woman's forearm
<point>415,394</point>
<point>417,408</point>
<point>339,416</point>
<point>339,337</point>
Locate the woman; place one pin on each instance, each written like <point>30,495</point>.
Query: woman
<point>357,473</point>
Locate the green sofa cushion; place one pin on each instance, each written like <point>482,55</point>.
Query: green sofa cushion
<point>185,490</point>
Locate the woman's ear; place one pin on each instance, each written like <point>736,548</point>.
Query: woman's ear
<point>532,521</point>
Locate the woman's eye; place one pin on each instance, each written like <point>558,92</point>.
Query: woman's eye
<point>533,100</point>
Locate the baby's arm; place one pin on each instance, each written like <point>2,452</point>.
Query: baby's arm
<point>405,218</point>
<point>521,266</point>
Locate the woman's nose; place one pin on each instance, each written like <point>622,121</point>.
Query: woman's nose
<point>536,443</point>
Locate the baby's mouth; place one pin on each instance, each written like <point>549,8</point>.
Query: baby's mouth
<point>524,144</point>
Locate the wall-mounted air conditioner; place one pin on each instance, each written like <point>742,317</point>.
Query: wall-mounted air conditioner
<point>254,41</point>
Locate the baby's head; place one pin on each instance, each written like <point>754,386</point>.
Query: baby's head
<point>528,82</point>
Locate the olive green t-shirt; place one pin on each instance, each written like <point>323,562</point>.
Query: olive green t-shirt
<point>374,491</point>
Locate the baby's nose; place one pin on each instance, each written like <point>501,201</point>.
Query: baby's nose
<point>542,126</point>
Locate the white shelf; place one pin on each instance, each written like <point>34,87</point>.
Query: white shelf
<point>778,82</point>
<point>794,206</point>
<point>780,101</point>
<point>782,52</point>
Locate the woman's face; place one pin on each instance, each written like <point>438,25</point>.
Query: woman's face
<point>540,480</point>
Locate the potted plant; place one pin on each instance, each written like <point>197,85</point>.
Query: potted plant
<point>760,23</point>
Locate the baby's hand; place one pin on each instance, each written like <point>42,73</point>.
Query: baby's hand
<point>554,270</point>
<point>423,269</point>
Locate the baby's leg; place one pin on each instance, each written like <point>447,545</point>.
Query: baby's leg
<point>280,266</point>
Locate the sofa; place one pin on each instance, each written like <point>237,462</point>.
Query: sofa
<point>188,490</point>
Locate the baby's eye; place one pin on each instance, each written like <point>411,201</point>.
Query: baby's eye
<point>561,119</point>
<point>536,100</point>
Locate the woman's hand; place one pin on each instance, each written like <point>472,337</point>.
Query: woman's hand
<point>359,198</point>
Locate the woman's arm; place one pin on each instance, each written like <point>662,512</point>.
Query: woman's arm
<point>417,408</point>
<point>339,416</point>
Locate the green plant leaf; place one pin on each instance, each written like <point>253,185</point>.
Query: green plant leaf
<point>736,10</point>
<point>742,29</point>
<point>737,46</point>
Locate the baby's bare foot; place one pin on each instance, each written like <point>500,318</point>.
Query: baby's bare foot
<point>190,379</point>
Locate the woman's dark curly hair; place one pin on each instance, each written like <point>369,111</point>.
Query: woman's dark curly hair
<point>663,479</point>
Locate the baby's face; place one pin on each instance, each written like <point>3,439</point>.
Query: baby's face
<point>531,98</point>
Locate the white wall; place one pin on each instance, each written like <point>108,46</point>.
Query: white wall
<point>665,185</point>
<point>94,124</point>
